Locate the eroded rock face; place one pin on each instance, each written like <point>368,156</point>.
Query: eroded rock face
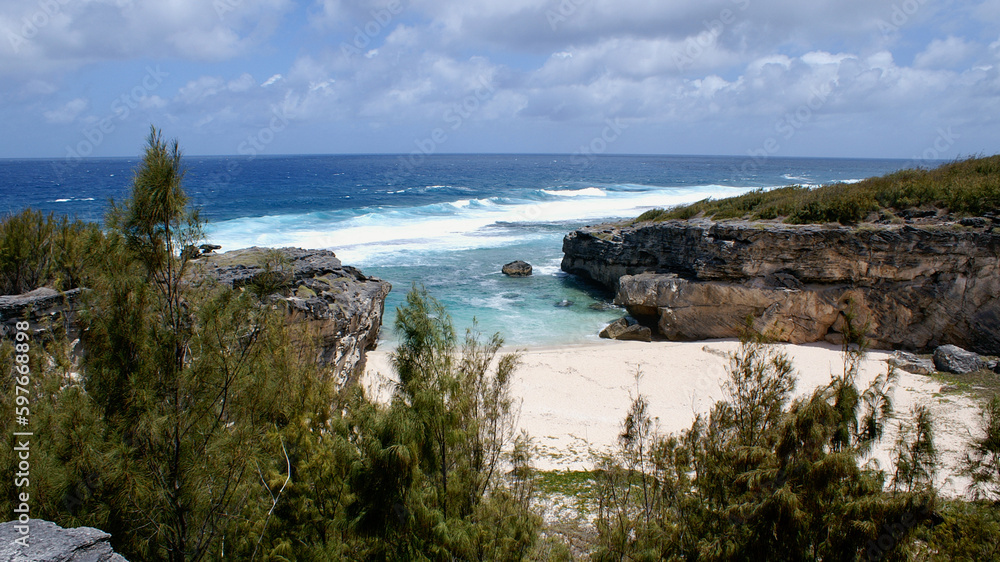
<point>917,287</point>
<point>343,306</point>
<point>48,542</point>
<point>44,308</point>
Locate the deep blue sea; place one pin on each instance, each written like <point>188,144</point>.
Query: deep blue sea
<point>448,222</point>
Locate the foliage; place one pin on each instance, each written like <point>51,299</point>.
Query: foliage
<point>962,187</point>
<point>982,462</point>
<point>916,457</point>
<point>759,475</point>
<point>38,250</point>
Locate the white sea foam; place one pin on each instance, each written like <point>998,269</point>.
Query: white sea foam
<point>586,192</point>
<point>370,235</point>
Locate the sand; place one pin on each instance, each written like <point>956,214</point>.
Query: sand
<point>574,397</point>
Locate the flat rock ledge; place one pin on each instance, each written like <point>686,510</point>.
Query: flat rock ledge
<point>48,542</point>
<point>918,288</point>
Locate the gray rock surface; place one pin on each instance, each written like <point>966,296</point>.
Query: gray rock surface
<point>517,269</point>
<point>953,359</point>
<point>917,287</point>
<point>45,308</point>
<point>911,363</point>
<point>623,329</point>
<point>48,542</point>
<point>342,305</point>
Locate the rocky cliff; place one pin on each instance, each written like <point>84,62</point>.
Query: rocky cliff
<point>341,305</point>
<point>48,542</point>
<point>917,287</point>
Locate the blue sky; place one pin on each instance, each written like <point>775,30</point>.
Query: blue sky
<point>869,78</point>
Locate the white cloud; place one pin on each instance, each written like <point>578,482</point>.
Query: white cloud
<point>944,53</point>
<point>272,80</point>
<point>68,112</point>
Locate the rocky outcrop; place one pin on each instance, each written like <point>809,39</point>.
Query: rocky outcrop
<point>48,542</point>
<point>44,309</point>
<point>517,269</point>
<point>341,305</point>
<point>917,287</point>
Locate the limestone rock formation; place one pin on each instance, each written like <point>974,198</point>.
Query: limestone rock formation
<point>517,269</point>
<point>45,308</point>
<point>954,359</point>
<point>917,287</point>
<point>344,306</point>
<point>48,542</point>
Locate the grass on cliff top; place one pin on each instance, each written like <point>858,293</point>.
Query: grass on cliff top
<point>964,187</point>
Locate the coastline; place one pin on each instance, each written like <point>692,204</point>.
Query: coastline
<point>574,396</point>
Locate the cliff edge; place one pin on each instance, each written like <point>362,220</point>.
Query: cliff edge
<point>917,287</point>
<point>343,306</point>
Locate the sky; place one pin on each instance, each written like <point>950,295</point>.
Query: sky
<point>840,78</point>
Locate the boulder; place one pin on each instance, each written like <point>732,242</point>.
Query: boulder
<point>954,359</point>
<point>48,542</point>
<point>911,363</point>
<point>564,304</point>
<point>517,269</point>
<point>626,329</point>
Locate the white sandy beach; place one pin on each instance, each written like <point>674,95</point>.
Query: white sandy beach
<point>574,397</point>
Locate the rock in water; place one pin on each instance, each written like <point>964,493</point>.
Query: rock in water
<point>911,363</point>
<point>517,269</point>
<point>623,329</point>
<point>564,304</point>
<point>49,542</point>
<point>954,359</point>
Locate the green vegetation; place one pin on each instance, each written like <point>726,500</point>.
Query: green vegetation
<point>197,425</point>
<point>38,250</point>
<point>965,187</point>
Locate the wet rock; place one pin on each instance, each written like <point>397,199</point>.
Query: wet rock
<point>564,304</point>
<point>517,269</point>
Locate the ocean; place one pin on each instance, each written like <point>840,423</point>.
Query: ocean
<point>446,222</point>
